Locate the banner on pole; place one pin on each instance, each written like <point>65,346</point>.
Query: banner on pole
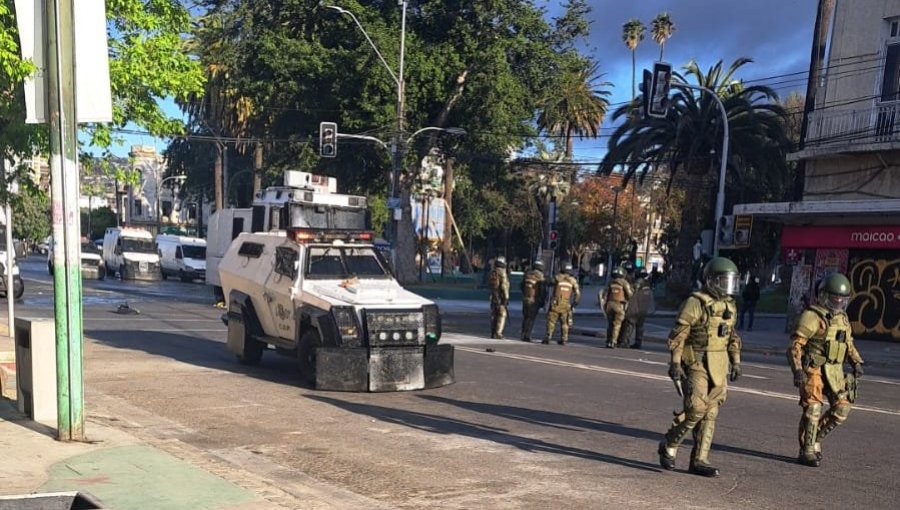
<point>93,94</point>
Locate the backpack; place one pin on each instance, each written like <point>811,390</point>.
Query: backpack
<point>494,279</point>
<point>529,290</point>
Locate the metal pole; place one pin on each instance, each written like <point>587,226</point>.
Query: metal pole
<point>399,146</point>
<point>720,196</point>
<point>66,227</point>
<point>10,280</point>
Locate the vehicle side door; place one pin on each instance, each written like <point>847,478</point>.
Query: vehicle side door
<point>281,288</point>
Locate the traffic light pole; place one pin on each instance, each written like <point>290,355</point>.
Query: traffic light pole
<point>720,196</point>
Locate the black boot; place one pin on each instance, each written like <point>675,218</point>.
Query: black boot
<point>809,459</point>
<point>637,343</point>
<point>665,460</point>
<point>703,469</point>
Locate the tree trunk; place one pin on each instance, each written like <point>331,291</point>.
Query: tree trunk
<point>257,169</point>
<point>570,139</point>
<point>695,215</point>
<point>217,176</point>
<point>447,242</point>
<point>633,76</point>
<point>405,249</point>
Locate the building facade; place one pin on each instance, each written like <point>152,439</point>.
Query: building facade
<point>849,217</point>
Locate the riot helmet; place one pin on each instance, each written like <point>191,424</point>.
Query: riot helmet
<point>617,272</point>
<point>500,262</point>
<point>643,274</point>
<point>538,265</point>
<point>721,277</point>
<point>628,267</point>
<point>567,268</point>
<point>834,292</point>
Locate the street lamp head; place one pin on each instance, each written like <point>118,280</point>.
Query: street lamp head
<point>338,9</point>
<point>456,131</point>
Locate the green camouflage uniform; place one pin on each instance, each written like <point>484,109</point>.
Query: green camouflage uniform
<point>618,292</point>
<point>703,342</point>
<point>634,322</point>
<point>534,293</point>
<point>566,294</point>
<point>499,286</point>
<point>820,345</point>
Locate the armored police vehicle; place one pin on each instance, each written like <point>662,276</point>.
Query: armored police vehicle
<point>326,297</point>
<point>304,200</point>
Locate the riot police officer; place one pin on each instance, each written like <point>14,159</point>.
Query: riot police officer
<point>702,344</point>
<point>534,294</point>
<point>498,283</point>
<point>820,345</point>
<point>638,308</point>
<point>565,297</point>
<point>615,299</point>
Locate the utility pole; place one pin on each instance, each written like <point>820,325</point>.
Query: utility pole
<point>609,258</point>
<point>60,52</point>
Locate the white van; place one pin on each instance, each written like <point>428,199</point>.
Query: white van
<point>130,253</point>
<point>182,256</point>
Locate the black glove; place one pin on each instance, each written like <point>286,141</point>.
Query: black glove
<point>858,370</point>
<point>676,373</point>
<point>799,378</point>
<point>735,372</point>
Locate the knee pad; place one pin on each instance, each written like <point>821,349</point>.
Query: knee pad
<point>813,411</point>
<point>841,411</point>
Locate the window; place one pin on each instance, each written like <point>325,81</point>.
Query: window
<point>166,207</point>
<point>137,207</point>
<point>286,261</point>
<point>340,263</point>
<point>191,251</point>
<point>890,86</point>
<point>134,245</point>
<point>252,250</point>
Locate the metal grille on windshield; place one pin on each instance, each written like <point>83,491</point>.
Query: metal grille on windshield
<point>395,327</point>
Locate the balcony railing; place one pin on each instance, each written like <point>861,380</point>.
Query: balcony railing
<point>847,128</point>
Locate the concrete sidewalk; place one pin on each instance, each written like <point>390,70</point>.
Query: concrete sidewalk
<point>136,470</point>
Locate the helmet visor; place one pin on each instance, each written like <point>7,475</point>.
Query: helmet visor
<point>727,283</point>
<point>836,303</point>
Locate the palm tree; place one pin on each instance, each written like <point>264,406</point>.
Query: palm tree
<point>578,106</point>
<point>632,35</point>
<point>688,142</point>
<point>661,29</point>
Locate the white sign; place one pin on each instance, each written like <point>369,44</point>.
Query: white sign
<point>93,100</point>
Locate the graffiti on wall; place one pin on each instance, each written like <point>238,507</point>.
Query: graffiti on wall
<point>875,308</point>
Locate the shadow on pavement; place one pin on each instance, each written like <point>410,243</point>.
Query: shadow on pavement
<point>200,352</point>
<point>569,422</point>
<point>446,425</point>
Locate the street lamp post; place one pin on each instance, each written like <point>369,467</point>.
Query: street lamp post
<point>720,196</point>
<point>398,146</point>
<point>158,201</point>
<point>609,259</point>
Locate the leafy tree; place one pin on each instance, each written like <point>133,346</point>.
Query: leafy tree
<point>661,29</point>
<point>470,64</point>
<point>632,35</point>
<point>577,106</point>
<point>688,144</point>
<point>31,214</point>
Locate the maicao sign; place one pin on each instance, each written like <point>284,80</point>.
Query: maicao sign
<point>878,237</point>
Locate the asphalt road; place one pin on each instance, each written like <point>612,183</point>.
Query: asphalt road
<point>525,426</point>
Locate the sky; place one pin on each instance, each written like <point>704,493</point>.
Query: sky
<point>776,34</point>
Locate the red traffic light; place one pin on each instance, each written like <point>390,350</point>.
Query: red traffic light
<point>554,235</point>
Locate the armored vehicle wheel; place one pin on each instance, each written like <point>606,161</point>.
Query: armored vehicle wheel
<point>252,351</point>
<point>306,355</point>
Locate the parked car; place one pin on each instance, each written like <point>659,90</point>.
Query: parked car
<point>182,256</point>
<point>92,265</point>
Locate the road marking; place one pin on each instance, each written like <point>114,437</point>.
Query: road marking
<point>654,377</point>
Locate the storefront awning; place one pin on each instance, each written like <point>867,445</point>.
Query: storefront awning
<point>826,212</point>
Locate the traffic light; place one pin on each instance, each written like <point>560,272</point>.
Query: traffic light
<point>725,232</point>
<point>656,90</point>
<point>554,239</point>
<point>327,139</point>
